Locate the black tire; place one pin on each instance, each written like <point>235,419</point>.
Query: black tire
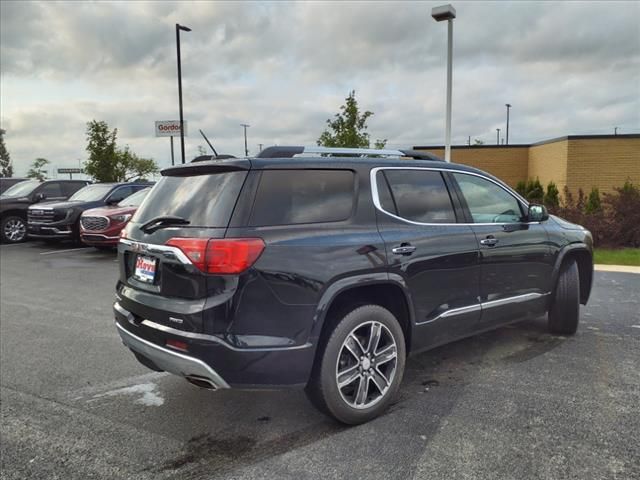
<point>13,229</point>
<point>323,390</point>
<point>564,313</point>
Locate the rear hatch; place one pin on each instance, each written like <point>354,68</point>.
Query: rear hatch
<point>163,251</point>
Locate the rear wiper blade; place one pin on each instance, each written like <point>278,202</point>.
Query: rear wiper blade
<point>164,221</point>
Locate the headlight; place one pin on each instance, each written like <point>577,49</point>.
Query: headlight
<point>121,218</point>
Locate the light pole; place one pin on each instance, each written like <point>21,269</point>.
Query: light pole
<point>439,14</point>
<point>184,29</point>
<point>508,105</point>
<point>246,150</point>
<point>497,136</point>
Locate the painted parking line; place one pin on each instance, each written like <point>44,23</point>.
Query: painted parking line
<point>52,252</point>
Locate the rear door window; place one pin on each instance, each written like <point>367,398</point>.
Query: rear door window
<point>287,197</point>
<point>204,200</point>
<point>69,188</point>
<point>419,195</point>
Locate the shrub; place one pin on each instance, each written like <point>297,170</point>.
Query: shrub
<point>521,188</point>
<point>613,221</point>
<point>535,191</point>
<point>593,202</point>
<point>552,197</point>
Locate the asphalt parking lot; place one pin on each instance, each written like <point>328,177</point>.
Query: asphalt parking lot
<point>516,403</point>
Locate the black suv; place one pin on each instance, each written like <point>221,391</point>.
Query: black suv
<point>325,272</point>
<point>15,201</point>
<point>61,220</point>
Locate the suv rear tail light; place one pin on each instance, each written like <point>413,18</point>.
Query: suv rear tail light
<point>222,256</point>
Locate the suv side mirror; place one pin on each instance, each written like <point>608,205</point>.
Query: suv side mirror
<point>537,213</point>
<point>38,197</point>
<point>113,200</point>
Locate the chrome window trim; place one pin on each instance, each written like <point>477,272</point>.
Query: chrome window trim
<point>167,251</point>
<point>526,297</point>
<point>378,205</point>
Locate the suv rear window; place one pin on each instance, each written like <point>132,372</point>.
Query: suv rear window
<point>205,200</point>
<point>287,197</point>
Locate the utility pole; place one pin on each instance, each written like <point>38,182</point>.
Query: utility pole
<point>497,136</point>
<point>259,147</point>
<point>184,29</point>
<point>508,105</point>
<point>615,130</point>
<point>246,149</point>
<point>469,141</point>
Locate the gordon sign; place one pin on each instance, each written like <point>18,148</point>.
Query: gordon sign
<point>169,128</point>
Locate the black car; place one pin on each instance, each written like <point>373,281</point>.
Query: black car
<point>8,182</point>
<point>15,201</point>
<point>325,272</point>
<point>61,220</point>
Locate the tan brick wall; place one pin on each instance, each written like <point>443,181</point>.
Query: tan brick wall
<point>603,163</point>
<point>508,164</point>
<point>548,162</point>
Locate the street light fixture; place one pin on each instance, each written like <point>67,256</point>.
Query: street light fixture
<point>508,105</point>
<point>184,29</point>
<point>440,14</point>
<point>246,150</point>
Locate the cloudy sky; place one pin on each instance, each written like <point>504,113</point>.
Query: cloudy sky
<point>284,68</point>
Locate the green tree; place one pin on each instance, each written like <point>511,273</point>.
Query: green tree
<point>521,188</point>
<point>552,196</point>
<point>101,146</point>
<point>6,169</point>
<point>107,162</point>
<point>36,171</point>
<point>348,127</point>
<point>477,141</point>
<point>593,204</point>
<point>201,150</point>
<point>131,167</point>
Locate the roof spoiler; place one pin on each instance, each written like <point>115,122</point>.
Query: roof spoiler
<point>290,151</point>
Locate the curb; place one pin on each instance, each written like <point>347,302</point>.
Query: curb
<point>616,268</point>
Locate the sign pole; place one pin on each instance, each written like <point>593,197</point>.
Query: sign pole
<point>172,159</point>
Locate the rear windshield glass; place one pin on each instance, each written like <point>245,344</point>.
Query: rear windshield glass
<point>203,200</point>
<point>288,197</point>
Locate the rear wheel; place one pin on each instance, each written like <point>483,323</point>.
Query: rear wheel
<point>564,313</point>
<point>361,366</point>
<point>13,229</point>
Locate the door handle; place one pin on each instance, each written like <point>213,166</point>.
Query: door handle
<point>404,249</point>
<point>490,241</point>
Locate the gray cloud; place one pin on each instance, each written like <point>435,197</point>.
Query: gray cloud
<point>285,68</point>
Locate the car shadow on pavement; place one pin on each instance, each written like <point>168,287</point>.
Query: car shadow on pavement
<point>245,428</point>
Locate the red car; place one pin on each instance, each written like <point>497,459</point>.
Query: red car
<point>100,227</point>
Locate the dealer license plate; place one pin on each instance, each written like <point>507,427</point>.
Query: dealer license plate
<point>145,269</point>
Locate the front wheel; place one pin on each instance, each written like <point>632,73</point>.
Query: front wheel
<point>564,313</point>
<point>361,367</point>
<point>13,229</point>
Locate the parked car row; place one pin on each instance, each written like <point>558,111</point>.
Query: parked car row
<point>54,210</point>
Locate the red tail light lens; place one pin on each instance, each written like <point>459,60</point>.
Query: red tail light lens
<point>222,256</point>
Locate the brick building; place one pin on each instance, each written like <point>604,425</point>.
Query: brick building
<point>577,161</point>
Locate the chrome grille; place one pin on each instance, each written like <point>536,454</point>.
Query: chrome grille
<point>94,223</point>
<point>37,215</point>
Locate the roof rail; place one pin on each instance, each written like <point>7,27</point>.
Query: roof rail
<point>290,151</point>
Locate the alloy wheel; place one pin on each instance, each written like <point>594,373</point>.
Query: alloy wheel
<point>15,230</point>
<point>367,365</point>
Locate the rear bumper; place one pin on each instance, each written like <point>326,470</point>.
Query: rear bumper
<point>172,362</point>
<point>212,358</point>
